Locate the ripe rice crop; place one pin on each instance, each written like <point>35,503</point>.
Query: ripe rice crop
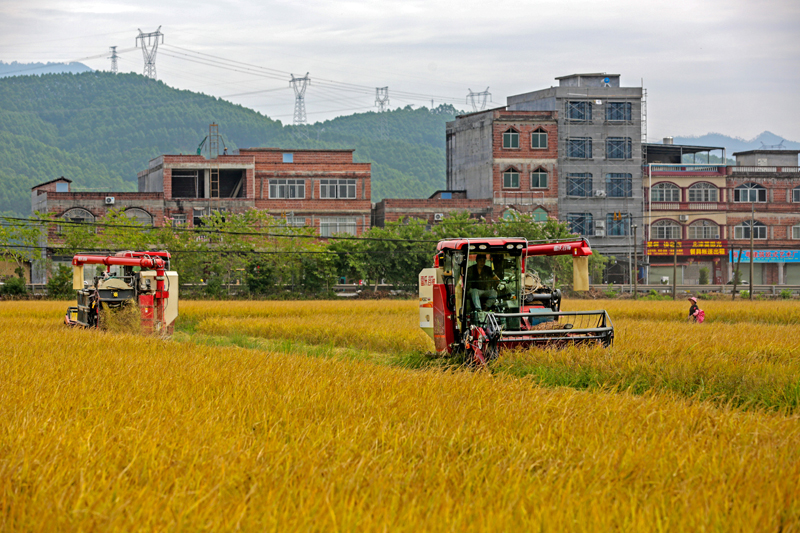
<point>116,431</point>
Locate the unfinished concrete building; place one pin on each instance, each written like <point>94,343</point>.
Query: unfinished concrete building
<point>599,155</point>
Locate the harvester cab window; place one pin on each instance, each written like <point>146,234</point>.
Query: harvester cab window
<point>493,282</point>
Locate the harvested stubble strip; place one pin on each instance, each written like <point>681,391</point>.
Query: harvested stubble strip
<point>111,431</point>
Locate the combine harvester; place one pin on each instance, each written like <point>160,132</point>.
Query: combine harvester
<point>140,278</point>
<point>479,298</point>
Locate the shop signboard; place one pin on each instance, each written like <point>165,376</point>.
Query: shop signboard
<point>766,256</point>
<point>699,249</point>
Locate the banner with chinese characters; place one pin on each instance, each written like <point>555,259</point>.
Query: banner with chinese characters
<point>767,256</point>
<point>690,248</point>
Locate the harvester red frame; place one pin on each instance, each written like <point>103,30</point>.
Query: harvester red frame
<point>149,288</point>
<point>522,318</point>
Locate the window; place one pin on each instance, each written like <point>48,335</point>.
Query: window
<point>539,179</point>
<point>178,220</point>
<point>77,215</point>
<point>511,139</point>
<point>750,192</point>
<point>580,223</point>
<point>618,111</point>
<point>579,111</point>
<point>337,189</point>
<point>703,192</point>
<point>742,231</point>
<point>293,222</point>
<point>796,232</point>
<point>665,192</point>
<point>796,194</point>
<point>579,147</point>
<point>618,148</point>
<point>619,185</point>
<point>511,179</point>
<point>62,186</point>
<point>139,215</point>
<point>539,139</point>
<point>539,215</point>
<point>287,188</point>
<point>579,184</point>
<point>331,225</point>
<point>666,230</point>
<point>288,158</point>
<point>703,229</point>
<point>618,228</point>
<point>197,216</point>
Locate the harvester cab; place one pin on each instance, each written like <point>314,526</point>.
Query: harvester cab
<point>480,296</point>
<point>141,279</point>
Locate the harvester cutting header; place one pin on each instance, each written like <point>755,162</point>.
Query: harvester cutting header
<point>131,278</point>
<point>480,297</point>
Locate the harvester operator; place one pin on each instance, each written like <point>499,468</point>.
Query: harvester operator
<point>482,280</point>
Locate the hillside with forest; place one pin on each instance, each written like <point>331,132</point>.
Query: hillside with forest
<point>99,129</point>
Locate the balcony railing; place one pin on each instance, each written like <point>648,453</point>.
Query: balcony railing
<point>761,170</point>
<point>690,206</point>
<point>686,169</point>
<point>519,197</point>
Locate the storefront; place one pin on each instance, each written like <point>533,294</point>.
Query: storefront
<point>697,261</point>
<point>770,267</point>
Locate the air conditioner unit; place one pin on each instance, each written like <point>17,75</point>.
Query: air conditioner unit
<point>599,233</point>
<point>109,200</point>
<point>438,216</point>
<point>600,194</point>
<point>600,224</point>
<point>683,218</point>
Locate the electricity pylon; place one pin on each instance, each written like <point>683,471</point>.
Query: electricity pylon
<point>114,57</point>
<point>471,99</point>
<point>149,43</point>
<point>382,102</point>
<point>299,85</point>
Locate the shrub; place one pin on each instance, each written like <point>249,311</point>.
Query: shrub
<point>745,294</point>
<point>13,286</point>
<point>786,294</point>
<point>60,284</point>
<point>704,273</point>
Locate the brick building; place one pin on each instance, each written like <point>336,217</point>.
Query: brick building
<point>323,189</point>
<point>498,162</point>
<point>708,211</point>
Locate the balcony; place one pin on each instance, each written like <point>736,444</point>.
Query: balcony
<point>765,170</point>
<point>519,197</point>
<point>695,170</point>
<point>690,206</point>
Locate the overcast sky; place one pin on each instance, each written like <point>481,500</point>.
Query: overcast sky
<point>708,65</point>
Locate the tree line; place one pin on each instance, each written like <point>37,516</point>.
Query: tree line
<point>255,255</point>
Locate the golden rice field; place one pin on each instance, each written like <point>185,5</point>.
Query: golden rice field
<point>327,416</point>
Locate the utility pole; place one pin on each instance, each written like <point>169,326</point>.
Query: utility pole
<point>382,102</point>
<point>752,230</point>
<point>114,57</point>
<point>472,99</point>
<point>299,85</point>
<point>149,43</point>
<point>675,270</point>
<point>736,275</point>
<point>635,268</point>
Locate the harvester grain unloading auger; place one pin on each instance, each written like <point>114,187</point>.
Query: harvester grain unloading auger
<point>479,298</point>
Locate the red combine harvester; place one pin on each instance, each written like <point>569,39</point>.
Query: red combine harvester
<point>479,297</point>
<point>137,278</point>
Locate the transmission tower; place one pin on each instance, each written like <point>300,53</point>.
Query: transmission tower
<point>382,102</point>
<point>299,85</point>
<point>475,99</point>
<point>114,57</point>
<point>149,43</point>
